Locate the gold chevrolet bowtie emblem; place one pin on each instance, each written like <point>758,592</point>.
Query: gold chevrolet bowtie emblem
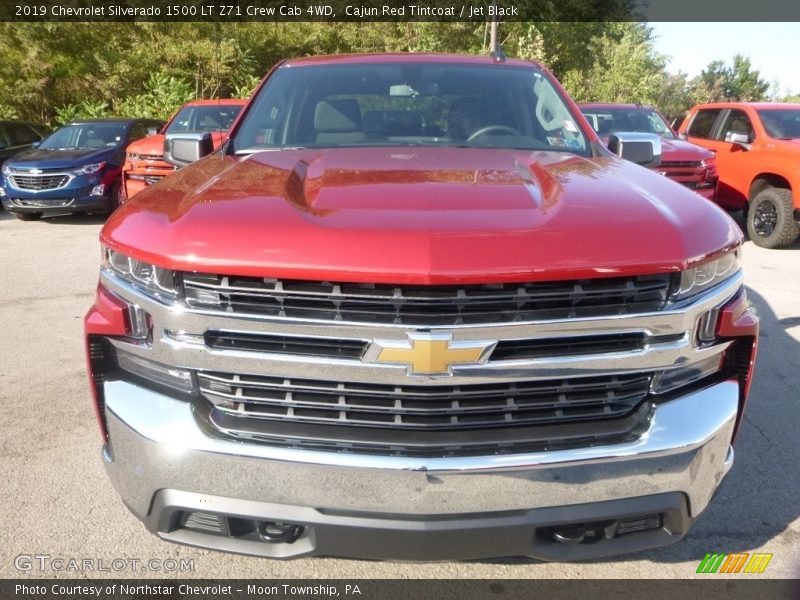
<point>428,353</point>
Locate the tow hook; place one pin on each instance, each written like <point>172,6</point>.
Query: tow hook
<point>570,535</point>
<point>276,533</point>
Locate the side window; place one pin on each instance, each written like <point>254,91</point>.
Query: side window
<point>21,134</point>
<point>3,137</point>
<point>138,131</point>
<point>703,122</point>
<point>736,122</point>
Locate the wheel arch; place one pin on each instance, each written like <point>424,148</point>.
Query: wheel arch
<point>765,180</point>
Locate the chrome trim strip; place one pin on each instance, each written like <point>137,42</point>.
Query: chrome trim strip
<point>677,426</point>
<point>672,320</point>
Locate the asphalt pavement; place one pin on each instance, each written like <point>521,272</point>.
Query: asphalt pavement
<point>56,501</point>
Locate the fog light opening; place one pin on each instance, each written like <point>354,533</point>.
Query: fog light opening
<point>98,190</point>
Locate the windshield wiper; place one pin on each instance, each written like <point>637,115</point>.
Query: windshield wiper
<point>245,151</point>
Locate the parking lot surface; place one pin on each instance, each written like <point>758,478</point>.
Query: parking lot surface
<point>55,499</point>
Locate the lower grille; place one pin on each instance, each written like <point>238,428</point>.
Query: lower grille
<point>38,183</point>
<point>43,202</point>
<point>434,408</point>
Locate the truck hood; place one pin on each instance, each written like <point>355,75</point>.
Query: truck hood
<point>419,215</point>
<point>40,158</point>
<point>675,150</point>
<point>681,150</point>
<point>152,145</point>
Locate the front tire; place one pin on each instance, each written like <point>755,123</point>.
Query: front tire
<point>770,218</point>
<point>116,197</point>
<point>28,216</point>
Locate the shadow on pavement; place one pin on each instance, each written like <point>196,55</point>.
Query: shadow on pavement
<point>758,500</point>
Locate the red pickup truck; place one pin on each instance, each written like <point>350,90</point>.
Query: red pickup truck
<point>758,152</point>
<point>414,309</point>
<point>144,160</point>
<point>681,161</point>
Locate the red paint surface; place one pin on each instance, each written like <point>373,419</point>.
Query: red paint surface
<point>419,215</point>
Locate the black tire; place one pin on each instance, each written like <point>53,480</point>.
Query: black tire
<point>28,216</point>
<point>115,199</point>
<point>770,218</point>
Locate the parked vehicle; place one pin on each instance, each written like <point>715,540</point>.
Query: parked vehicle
<point>145,165</point>
<point>681,161</point>
<point>758,151</point>
<point>75,169</point>
<point>16,136</point>
<point>414,309</point>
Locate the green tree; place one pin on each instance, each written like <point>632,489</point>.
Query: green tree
<point>738,82</point>
<point>625,68</point>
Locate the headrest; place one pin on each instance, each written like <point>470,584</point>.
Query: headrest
<point>337,115</point>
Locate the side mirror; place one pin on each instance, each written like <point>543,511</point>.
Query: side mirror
<point>641,148</point>
<point>36,144</point>
<point>181,149</point>
<point>152,130</point>
<point>740,139</point>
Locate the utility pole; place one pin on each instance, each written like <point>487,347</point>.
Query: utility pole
<point>493,46</point>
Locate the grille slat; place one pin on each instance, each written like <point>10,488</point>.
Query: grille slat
<point>425,407</point>
<point>428,305</point>
<point>39,183</point>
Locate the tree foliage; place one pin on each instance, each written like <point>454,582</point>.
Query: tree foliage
<point>53,72</point>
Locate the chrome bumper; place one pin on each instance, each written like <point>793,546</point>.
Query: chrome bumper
<point>158,456</point>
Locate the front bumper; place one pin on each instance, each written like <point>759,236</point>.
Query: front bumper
<point>709,193</point>
<point>60,201</point>
<point>165,465</point>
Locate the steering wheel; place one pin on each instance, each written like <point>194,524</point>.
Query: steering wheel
<point>484,130</point>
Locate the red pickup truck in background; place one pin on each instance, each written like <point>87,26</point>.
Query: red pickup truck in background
<point>681,161</point>
<point>757,146</point>
<point>144,161</point>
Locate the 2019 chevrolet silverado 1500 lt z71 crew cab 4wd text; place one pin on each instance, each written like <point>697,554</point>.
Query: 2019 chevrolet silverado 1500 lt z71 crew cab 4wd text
<point>413,309</point>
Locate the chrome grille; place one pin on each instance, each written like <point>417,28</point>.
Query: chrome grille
<point>426,305</point>
<point>691,173</point>
<point>415,407</point>
<point>515,349</point>
<point>38,183</point>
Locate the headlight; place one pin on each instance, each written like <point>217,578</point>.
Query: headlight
<point>702,277</point>
<point>89,169</point>
<point>158,281</point>
<point>6,170</point>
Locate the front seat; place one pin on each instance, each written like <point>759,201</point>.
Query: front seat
<point>466,116</point>
<point>338,122</point>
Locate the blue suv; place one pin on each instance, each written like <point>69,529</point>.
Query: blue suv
<point>75,169</point>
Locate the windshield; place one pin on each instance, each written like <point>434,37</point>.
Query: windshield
<point>781,124</point>
<point>204,119</point>
<point>87,136</point>
<point>606,121</point>
<point>409,104</point>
